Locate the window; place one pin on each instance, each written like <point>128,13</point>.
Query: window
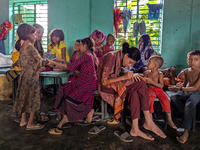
<point>30,12</point>
<point>139,11</point>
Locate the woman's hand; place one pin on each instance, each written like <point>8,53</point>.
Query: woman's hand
<point>137,77</point>
<point>128,75</point>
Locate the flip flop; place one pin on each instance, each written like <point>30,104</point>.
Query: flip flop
<point>96,129</point>
<point>66,126</point>
<point>124,136</point>
<point>86,123</point>
<point>36,127</point>
<point>113,121</point>
<point>55,131</point>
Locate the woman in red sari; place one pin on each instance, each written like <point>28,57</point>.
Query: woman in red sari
<point>114,84</point>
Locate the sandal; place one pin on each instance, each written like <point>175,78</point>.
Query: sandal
<point>36,127</point>
<point>55,131</point>
<point>96,129</point>
<point>124,136</point>
<point>86,123</point>
<point>113,121</point>
<point>66,126</point>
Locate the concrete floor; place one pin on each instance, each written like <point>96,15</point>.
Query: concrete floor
<point>13,137</point>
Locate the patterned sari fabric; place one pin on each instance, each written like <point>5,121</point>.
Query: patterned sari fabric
<point>114,94</point>
<point>28,92</point>
<point>75,99</point>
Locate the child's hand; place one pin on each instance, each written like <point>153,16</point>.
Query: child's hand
<point>57,69</point>
<point>50,62</point>
<point>174,88</point>
<point>148,80</point>
<point>77,73</point>
<point>58,60</point>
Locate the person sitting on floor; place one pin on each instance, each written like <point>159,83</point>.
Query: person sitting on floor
<point>188,93</point>
<point>154,80</point>
<point>75,99</point>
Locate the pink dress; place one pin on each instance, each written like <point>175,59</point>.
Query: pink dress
<point>73,60</point>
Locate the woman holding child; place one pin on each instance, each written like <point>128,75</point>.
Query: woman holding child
<point>114,85</point>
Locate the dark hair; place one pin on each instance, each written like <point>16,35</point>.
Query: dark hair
<point>110,35</point>
<point>58,33</point>
<point>23,31</point>
<point>90,45</point>
<point>133,52</point>
<point>158,60</point>
<point>36,25</point>
<point>194,52</point>
<point>79,41</point>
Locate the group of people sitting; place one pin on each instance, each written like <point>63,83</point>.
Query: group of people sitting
<point>130,74</point>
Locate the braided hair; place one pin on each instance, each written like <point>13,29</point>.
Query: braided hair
<point>90,45</point>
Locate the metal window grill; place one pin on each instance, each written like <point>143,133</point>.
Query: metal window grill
<point>32,12</point>
<point>139,11</point>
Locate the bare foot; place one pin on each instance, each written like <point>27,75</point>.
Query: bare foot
<point>141,134</point>
<point>172,125</point>
<point>182,139</point>
<point>90,115</point>
<point>63,121</point>
<point>154,129</point>
<point>22,124</point>
<point>34,126</point>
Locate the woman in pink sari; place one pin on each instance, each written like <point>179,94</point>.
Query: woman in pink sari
<point>114,84</point>
<point>98,37</point>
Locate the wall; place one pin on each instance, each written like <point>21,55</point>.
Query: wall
<point>180,31</point>
<point>4,15</point>
<point>79,18</point>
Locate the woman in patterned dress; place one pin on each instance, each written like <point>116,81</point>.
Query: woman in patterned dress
<point>115,84</point>
<point>31,64</point>
<point>75,99</point>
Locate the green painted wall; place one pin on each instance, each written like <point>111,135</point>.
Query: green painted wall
<point>180,31</point>
<point>4,15</point>
<point>79,18</point>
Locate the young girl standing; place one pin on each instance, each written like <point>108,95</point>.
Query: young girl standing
<point>75,99</point>
<point>57,45</point>
<point>30,62</point>
<point>109,44</point>
<point>38,42</point>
